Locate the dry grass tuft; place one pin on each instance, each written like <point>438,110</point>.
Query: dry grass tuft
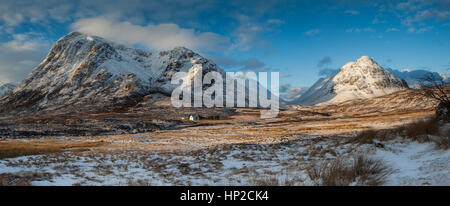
<point>362,171</point>
<point>272,180</point>
<point>420,129</point>
<point>22,179</point>
<point>442,142</point>
<point>425,130</point>
<point>138,182</point>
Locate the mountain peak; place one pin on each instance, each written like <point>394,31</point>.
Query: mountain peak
<point>182,48</point>
<point>355,80</point>
<point>365,58</point>
<point>367,61</point>
<point>78,36</point>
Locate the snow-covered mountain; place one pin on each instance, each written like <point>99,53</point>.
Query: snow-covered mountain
<point>87,70</point>
<point>289,93</point>
<point>415,77</point>
<point>355,80</point>
<point>6,88</point>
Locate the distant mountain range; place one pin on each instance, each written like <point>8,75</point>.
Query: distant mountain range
<point>82,70</point>
<point>415,77</point>
<point>289,93</point>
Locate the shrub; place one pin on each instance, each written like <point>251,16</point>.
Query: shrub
<point>442,142</point>
<point>361,171</point>
<point>420,129</point>
<point>425,130</point>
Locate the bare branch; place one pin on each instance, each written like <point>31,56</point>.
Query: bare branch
<point>435,88</point>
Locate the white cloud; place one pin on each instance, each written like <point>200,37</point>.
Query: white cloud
<point>157,37</point>
<point>20,55</point>
<point>414,12</point>
<point>25,42</point>
<point>15,64</point>
<point>312,32</point>
<point>246,33</point>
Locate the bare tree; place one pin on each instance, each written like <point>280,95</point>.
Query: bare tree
<point>435,88</point>
<point>438,89</point>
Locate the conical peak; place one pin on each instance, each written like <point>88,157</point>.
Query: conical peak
<point>365,59</point>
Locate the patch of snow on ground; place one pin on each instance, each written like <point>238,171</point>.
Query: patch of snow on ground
<point>416,163</point>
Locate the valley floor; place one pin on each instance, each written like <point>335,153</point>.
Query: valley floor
<point>239,150</point>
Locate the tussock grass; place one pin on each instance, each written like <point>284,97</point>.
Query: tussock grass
<point>361,171</point>
<point>425,130</point>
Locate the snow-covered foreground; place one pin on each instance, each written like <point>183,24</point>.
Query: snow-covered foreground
<point>414,164</point>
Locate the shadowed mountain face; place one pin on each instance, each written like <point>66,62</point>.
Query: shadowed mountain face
<point>355,80</point>
<point>82,70</point>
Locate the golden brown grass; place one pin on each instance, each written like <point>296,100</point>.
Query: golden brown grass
<point>16,148</point>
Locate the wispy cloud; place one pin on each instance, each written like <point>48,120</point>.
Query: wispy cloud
<point>420,30</point>
<point>358,30</point>
<point>351,30</point>
<point>392,30</point>
<point>417,14</point>
<point>312,32</point>
<point>275,21</point>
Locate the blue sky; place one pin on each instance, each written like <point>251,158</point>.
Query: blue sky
<point>297,38</point>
